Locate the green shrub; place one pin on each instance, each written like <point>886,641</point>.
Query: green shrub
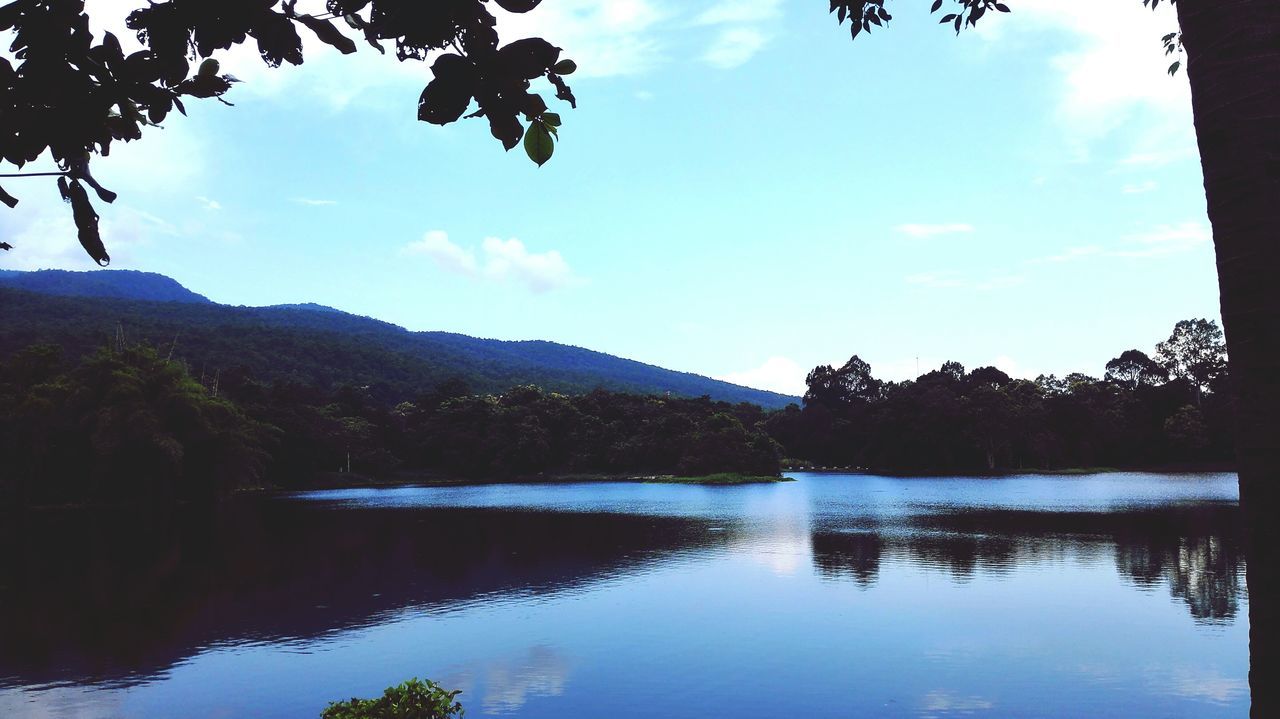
<point>414,699</point>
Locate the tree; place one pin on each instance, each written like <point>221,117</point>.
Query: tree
<point>1194,352</point>
<point>73,94</point>
<point>832,387</point>
<point>1187,431</point>
<point>1133,369</point>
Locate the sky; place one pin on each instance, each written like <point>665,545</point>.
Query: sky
<point>742,192</point>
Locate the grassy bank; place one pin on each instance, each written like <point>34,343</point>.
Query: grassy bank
<point>722,478</point>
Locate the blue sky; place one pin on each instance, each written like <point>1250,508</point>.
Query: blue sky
<point>742,192</point>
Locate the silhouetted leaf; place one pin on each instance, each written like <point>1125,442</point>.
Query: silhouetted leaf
<point>518,6</point>
<point>86,220</point>
<point>328,34</point>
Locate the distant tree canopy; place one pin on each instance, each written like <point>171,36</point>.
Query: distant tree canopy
<point>950,420</point>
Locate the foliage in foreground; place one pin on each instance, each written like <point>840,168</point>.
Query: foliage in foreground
<point>414,699</point>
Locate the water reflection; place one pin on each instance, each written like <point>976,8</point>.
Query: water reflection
<point>119,598</point>
<point>1194,550</point>
<point>505,684</point>
<point>830,596</point>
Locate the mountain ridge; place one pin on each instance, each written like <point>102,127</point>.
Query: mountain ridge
<point>319,344</point>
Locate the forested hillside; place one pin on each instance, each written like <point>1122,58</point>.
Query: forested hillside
<point>314,345</point>
<point>125,284</point>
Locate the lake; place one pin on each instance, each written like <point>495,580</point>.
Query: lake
<point>831,596</point>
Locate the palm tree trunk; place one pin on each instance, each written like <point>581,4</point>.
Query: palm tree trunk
<point>1233,61</point>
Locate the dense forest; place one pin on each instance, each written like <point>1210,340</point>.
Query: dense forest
<point>127,422</point>
<point>87,416</point>
<point>1170,410</point>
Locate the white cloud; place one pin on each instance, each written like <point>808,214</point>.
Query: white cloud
<point>1139,188</point>
<point>1115,75</point>
<point>950,279</point>
<point>503,261</point>
<point>1070,254</point>
<point>208,204</point>
<point>449,256</point>
<point>742,33</point>
<point>44,236</point>
<point>509,260</point>
<point>604,37</point>
<point>1168,240</point>
<point>734,46</point>
<point>923,231</point>
<point>1159,242</point>
<point>309,202</point>
<point>739,11</point>
<point>777,374</point>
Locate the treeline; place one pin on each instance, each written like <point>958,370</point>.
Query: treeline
<point>1163,411</point>
<point>129,423</point>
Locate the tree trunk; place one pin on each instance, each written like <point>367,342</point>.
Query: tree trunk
<point>1233,61</point>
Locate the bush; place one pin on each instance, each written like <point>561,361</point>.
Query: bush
<point>414,699</point>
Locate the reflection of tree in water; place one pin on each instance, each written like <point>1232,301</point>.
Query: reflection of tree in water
<point>848,555</point>
<point>1202,571</point>
<point>1195,550</point>
<point>107,598</point>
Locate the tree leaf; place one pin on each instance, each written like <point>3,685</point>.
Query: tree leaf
<point>538,143</point>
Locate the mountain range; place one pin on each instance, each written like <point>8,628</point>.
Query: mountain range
<point>313,344</point>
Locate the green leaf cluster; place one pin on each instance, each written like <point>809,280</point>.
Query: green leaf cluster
<point>414,699</point>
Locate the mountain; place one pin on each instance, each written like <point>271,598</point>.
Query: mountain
<point>124,284</point>
<point>312,344</point>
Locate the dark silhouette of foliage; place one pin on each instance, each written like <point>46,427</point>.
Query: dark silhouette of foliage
<point>1133,368</point>
<point>129,424</point>
<point>72,94</point>
<point>950,420</point>
<point>121,425</point>
<point>1194,352</point>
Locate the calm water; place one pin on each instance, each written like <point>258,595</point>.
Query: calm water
<point>832,596</point>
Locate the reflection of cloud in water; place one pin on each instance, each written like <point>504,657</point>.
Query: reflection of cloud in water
<point>506,684</point>
<point>60,703</point>
<point>1208,685</point>
<point>784,548</point>
<point>940,703</point>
